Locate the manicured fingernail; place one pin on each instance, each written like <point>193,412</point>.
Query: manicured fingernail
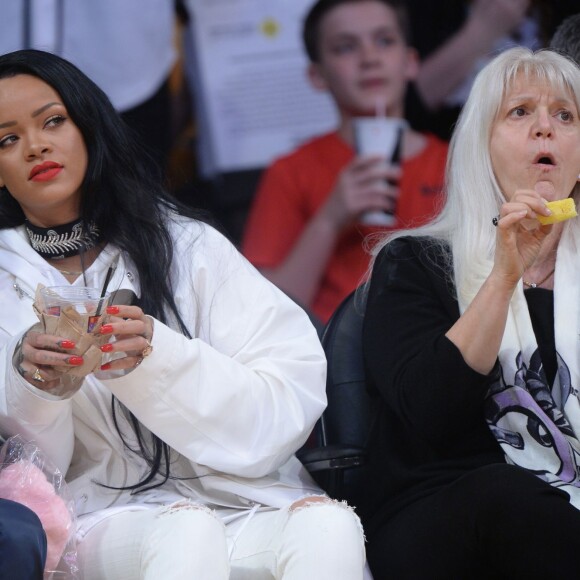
<point>546,206</point>
<point>76,361</point>
<point>66,344</point>
<point>106,329</point>
<point>107,347</point>
<point>112,310</point>
<point>106,367</point>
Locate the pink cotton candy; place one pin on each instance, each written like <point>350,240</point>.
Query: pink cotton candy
<point>25,483</point>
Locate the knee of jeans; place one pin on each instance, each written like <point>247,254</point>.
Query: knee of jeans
<point>186,505</point>
<point>319,528</point>
<point>178,528</point>
<point>336,511</point>
<point>189,513</point>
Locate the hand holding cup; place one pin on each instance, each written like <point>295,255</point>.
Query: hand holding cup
<point>130,333</point>
<point>56,354</point>
<point>381,137</point>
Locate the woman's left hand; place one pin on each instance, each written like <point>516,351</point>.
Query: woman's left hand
<point>133,332</point>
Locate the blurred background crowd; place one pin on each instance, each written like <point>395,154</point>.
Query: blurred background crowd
<point>199,78</point>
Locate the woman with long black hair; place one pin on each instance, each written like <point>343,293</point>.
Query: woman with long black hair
<point>220,376</point>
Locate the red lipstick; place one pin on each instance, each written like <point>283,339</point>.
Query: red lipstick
<point>45,171</point>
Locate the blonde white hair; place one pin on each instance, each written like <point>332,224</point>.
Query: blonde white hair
<point>473,195</point>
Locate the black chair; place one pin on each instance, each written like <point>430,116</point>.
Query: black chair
<point>336,454</point>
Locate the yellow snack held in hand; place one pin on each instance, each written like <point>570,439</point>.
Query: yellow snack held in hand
<point>562,209</point>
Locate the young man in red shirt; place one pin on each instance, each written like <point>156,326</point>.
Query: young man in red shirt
<point>304,231</point>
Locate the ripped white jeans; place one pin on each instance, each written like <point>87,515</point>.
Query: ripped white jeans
<point>322,540</point>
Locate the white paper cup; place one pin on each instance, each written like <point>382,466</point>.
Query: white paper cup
<point>378,136</point>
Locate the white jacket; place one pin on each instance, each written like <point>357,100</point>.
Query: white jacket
<point>234,403</point>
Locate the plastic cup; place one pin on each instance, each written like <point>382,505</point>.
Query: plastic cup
<point>379,136</point>
<point>85,301</point>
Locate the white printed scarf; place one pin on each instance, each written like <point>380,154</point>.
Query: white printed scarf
<point>538,425</point>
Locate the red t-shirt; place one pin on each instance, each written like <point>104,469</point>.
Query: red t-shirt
<point>294,188</point>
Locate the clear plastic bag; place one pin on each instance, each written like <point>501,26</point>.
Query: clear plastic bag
<point>28,477</point>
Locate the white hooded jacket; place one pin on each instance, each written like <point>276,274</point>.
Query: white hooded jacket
<point>234,403</point>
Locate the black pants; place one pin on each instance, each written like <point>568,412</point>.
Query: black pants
<point>22,543</point>
<point>496,522</point>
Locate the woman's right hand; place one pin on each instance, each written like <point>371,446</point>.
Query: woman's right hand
<point>519,234</point>
<point>40,358</point>
<point>480,329</point>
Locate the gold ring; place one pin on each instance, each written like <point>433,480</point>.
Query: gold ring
<point>37,376</point>
<point>147,350</point>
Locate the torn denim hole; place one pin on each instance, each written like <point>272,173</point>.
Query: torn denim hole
<point>310,501</point>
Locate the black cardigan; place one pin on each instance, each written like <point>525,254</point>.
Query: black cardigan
<point>429,426</point>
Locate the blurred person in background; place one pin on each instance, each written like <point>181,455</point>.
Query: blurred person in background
<point>126,48</point>
<point>305,231</point>
<point>457,38</point>
<point>566,39</point>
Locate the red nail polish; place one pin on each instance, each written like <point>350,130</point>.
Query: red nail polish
<point>76,361</point>
<point>112,310</point>
<point>106,329</point>
<point>66,344</point>
<point>107,347</point>
<point>106,367</point>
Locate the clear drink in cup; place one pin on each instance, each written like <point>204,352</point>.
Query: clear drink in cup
<point>86,302</point>
<point>73,313</point>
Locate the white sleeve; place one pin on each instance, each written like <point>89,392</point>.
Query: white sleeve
<point>244,394</point>
<point>38,416</point>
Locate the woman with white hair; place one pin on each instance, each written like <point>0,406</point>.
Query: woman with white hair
<point>471,341</point>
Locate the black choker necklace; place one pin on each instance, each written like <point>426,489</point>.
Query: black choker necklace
<point>63,241</point>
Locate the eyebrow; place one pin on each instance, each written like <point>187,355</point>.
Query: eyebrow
<point>42,109</point>
<point>563,99</point>
<point>34,114</point>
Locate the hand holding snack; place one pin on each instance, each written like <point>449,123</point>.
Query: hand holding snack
<point>520,236</point>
